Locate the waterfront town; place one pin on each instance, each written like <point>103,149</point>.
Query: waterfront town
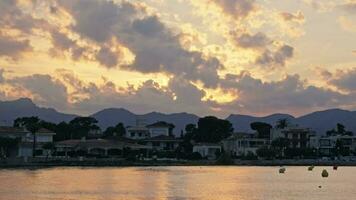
<point>210,140</point>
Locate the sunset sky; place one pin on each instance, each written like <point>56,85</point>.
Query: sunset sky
<point>207,57</point>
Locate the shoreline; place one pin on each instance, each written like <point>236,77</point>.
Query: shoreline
<point>124,163</point>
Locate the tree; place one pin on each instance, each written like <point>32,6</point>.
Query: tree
<point>340,128</point>
<point>80,126</point>
<point>190,128</point>
<point>32,124</point>
<point>118,130</point>
<point>212,129</point>
<point>282,123</point>
<point>6,144</point>
<point>266,152</point>
<point>263,129</point>
<point>63,132</point>
<point>49,146</point>
<point>280,145</point>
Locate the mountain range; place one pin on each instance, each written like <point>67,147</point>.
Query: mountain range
<point>320,121</point>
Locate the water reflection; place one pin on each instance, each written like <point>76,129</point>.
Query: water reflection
<point>245,183</point>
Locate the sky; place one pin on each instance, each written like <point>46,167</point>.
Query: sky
<point>207,57</point>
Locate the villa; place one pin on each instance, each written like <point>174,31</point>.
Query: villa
<point>97,147</point>
<point>207,150</point>
<point>25,138</point>
<point>299,136</point>
<point>240,144</point>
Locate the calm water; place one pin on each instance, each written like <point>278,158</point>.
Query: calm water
<point>241,183</point>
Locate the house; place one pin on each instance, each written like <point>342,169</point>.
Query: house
<point>326,145</point>
<point>207,150</point>
<point>298,136</point>
<point>240,144</point>
<point>25,140</point>
<point>159,128</point>
<point>137,132</point>
<point>97,147</point>
<point>162,142</point>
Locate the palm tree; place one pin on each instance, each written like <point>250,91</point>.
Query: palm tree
<point>32,124</point>
<point>282,123</point>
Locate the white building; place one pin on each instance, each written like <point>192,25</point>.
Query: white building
<point>298,136</point>
<point>137,132</point>
<point>25,139</point>
<point>207,150</point>
<point>240,144</point>
<point>148,131</point>
<point>326,144</point>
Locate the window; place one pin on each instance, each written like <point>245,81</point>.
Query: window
<point>132,134</point>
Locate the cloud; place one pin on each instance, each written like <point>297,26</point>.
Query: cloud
<point>347,24</point>
<point>46,90</point>
<point>13,48</point>
<point>276,58</point>
<point>290,17</point>
<point>349,6</point>
<point>2,76</point>
<point>155,47</point>
<point>246,40</point>
<point>344,80</point>
<point>290,94</point>
<point>107,57</point>
<point>236,8</point>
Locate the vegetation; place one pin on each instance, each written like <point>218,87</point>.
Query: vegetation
<point>118,130</point>
<point>32,124</point>
<point>340,130</point>
<point>282,123</point>
<point>6,144</point>
<point>212,129</point>
<point>263,129</point>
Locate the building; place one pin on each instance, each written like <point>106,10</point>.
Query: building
<point>159,128</point>
<point>141,131</point>
<point>326,145</point>
<point>25,140</point>
<point>162,142</point>
<point>298,136</point>
<point>240,144</point>
<point>207,150</point>
<point>137,132</point>
<point>97,148</point>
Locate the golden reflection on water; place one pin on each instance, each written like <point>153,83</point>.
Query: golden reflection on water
<point>178,183</point>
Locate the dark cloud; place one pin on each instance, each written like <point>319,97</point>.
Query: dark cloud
<point>345,80</point>
<point>246,40</point>
<point>107,57</point>
<point>13,48</point>
<point>46,90</point>
<point>276,58</point>
<point>156,48</point>
<point>290,17</point>
<point>236,8</point>
<point>2,76</point>
<point>290,94</point>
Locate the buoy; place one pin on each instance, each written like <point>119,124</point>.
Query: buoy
<point>325,173</point>
<point>310,168</point>
<point>282,170</point>
<point>335,167</point>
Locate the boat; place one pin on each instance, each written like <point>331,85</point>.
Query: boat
<point>325,173</point>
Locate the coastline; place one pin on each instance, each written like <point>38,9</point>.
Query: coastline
<point>124,163</point>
